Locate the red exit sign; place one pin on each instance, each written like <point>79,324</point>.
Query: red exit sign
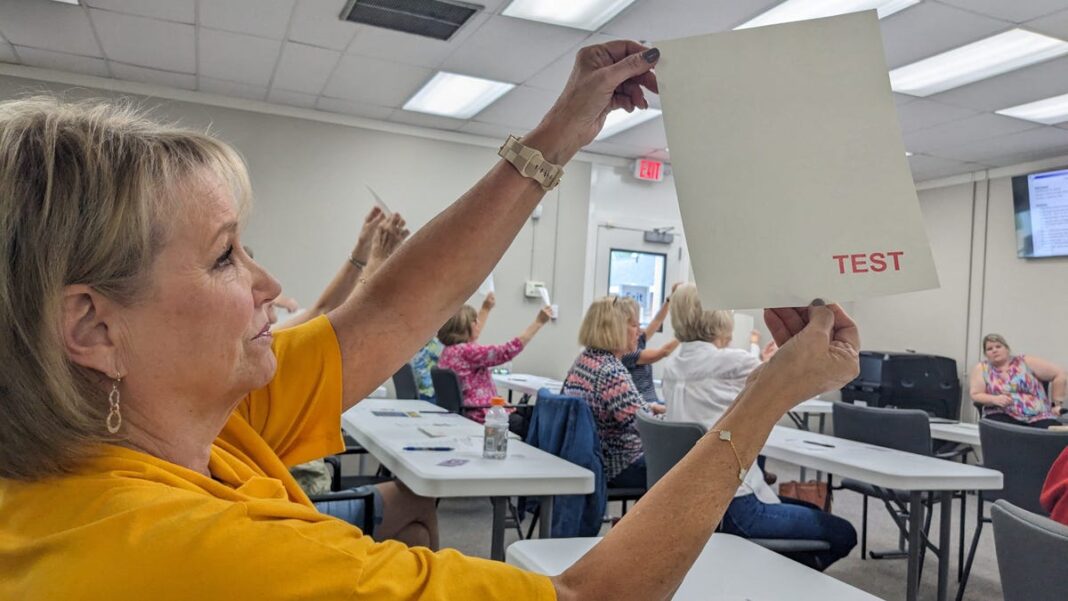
<point>649,170</point>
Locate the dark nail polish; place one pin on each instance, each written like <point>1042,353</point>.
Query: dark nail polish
<point>651,55</point>
<point>818,302</point>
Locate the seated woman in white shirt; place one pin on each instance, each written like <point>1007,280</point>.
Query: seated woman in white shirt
<point>701,380</point>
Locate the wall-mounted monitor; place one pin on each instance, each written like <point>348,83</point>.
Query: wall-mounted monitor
<point>1040,201</point>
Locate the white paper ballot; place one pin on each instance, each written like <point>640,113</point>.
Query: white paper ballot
<point>378,201</point>
<point>544,292</point>
<point>487,285</point>
<point>789,165</point>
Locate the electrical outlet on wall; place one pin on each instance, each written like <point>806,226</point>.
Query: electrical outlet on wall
<point>531,290</point>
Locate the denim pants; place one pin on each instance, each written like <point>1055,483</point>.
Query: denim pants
<point>632,477</point>
<point>748,517</point>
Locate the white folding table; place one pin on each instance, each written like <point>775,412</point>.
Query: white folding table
<point>889,468</point>
<point>801,412</point>
<point>729,568</point>
<point>386,426</point>
<point>962,433</point>
<point>526,385</point>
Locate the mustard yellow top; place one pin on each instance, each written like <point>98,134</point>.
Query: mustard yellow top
<point>129,526</point>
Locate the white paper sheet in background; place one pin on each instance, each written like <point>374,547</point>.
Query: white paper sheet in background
<point>544,292</point>
<point>378,201</point>
<point>789,165</point>
<point>487,285</point>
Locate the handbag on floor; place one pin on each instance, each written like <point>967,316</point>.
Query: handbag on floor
<point>813,492</point>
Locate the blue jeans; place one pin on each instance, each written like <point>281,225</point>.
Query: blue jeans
<point>631,477</point>
<point>748,517</point>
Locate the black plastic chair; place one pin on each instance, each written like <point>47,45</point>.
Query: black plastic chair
<point>449,392</point>
<point>1024,456</point>
<point>666,443</point>
<point>1031,549</point>
<point>404,386</point>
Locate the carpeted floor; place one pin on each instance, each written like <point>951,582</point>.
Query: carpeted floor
<point>465,525</point>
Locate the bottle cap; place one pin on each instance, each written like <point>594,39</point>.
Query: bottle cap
<point>497,401</point>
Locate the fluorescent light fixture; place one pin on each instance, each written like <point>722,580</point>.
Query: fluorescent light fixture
<point>1004,52</point>
<point>580,14</point>
<point>908,154</point>
<point>456,96</point>
<point>74,2</point>
<point>801,10</point>
<point>619,120</point>
<point>1049,111</point>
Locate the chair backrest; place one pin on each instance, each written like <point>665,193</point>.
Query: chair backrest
<point>447,388</point>
<point>1023,455</point>
<point>404,383</point>
<point>906,430</point>
<point>665,443</point>
<point>1031,551</point>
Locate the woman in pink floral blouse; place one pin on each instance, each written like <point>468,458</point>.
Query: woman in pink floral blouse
<point>472,361</point>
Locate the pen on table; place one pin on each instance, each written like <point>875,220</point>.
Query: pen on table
<point>429,449</point>
<point>818,444</point>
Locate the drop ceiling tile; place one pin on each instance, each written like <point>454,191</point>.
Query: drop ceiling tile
<point>233,89</point>
<point>1046,141</point>
<point>182,11</point>
<point>1029,157</point>
<point>1017,87</point>
<point>357,109</point>
<point>930,28</point>
<point>298,99</point>
<point>930,167</point>
<point>927,113</point>
<point>522,107</point>
<point>137,41</point>
<point>304,68</point>
<point>555,74</point>
<point>648,135</point>
<point>375,81</point>
<point>7,53</point>
<point>46,59</point>
<point>1055,25</point>
<point>264,18</point>
<point>48,25</point>
<point>425,120</point>
<point>668,19</point>
<point>1013,11</point>
<point>318,23</point>
<point>237,57</point>
<point>507,49</point>
<point>612,150</point>
<point>492,130</point>
<point>170,79</point>
<point>963,131</point>
<point>395,46</point>
<point>900,99</point>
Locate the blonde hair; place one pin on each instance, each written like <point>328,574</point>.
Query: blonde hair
<point>86,191</point>
<point>605,325</point>
<point>458,329</point>
<point>632,305</point>
<point>691,321</point>
<point>998,338</point>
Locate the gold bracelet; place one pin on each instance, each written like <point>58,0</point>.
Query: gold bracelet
<point>358,264</point>
<point>726,435</point>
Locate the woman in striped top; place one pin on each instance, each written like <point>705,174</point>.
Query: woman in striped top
<point>598,376</point>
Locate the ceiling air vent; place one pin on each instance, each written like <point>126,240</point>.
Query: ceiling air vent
<point>438,19</point>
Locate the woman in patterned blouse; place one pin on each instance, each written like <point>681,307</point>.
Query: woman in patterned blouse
<point>609,331</point>
<point>1010,387</point>
<point>472,361</point>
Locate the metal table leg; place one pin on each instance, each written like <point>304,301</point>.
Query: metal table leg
<point>545,520</point>
<point>915,542</point>
<point>500,507</point>
<point>943,543</point>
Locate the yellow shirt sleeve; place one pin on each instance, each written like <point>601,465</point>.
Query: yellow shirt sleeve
<point>298,413</point>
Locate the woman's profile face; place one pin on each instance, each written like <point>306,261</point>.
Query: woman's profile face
<point>996,352</point>
<point>476,329</point>
<point>201,333</point>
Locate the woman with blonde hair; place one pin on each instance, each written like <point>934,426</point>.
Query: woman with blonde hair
<point>701,382</point>
<point>639,362</point>
<point>610,330</point>
<point>1010,388</point>
<point>145,438</point>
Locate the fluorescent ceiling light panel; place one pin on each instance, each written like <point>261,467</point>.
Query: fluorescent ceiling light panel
<point>801,10</point>
<point>74,2</point>
<point>1049,111</point>
<point>1004,52</point>
<point>456,96</point>
<point>580,14</point>
<point>619,120</point>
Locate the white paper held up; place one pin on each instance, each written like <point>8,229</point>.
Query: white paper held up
<point>487,285</point>
<point>789,165</point>
<point>378,201</point>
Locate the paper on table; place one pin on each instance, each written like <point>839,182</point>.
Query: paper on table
<point>789,165</point>
<point>378,201</point>
<point>487,285</point>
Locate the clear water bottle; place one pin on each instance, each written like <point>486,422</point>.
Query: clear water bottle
<point>495,444</point>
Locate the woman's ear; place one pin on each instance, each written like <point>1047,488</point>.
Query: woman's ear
<point>87,337</point>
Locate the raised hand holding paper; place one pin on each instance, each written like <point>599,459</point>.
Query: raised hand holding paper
<point>789,165</point>
<point>378,201</point>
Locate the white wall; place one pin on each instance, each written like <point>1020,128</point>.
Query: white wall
<point>309,177</point>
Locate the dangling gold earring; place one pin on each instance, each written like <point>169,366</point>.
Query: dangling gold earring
<point>114,419</point>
